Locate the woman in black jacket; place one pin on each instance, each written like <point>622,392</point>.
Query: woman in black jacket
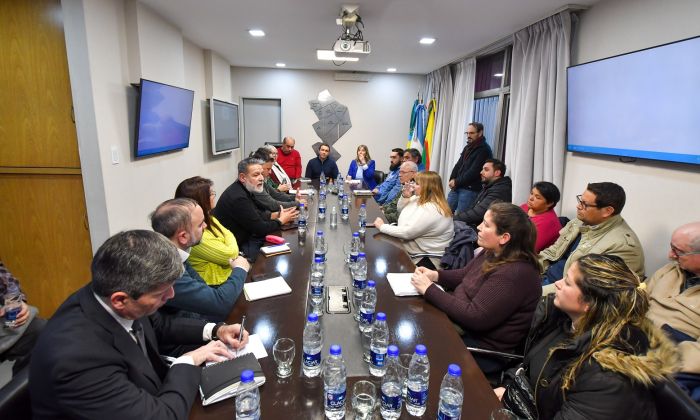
<point>591,352</point>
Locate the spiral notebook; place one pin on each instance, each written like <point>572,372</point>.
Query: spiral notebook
<point>223,380</point>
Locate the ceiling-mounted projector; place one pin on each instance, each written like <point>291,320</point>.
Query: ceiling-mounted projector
<point>347,46</point>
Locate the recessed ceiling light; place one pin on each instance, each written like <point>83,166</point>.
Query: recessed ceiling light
<point>391,69</point>
<point>280,65</point>
<point>329,55</point>
<point>427,40</point>
<point>256,32</point>
<point>498,75</point>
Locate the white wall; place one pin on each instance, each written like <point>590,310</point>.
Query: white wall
<point>660,196</point>
<point>379,109</point>
<point>120,196</point>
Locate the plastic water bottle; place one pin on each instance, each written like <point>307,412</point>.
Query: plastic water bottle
<point>418,375</point>
<point>341,184</point>
<point>391,398</point>
<point>378,346</point>
<point>451,394</point>
<point>313,344</point>
<point>354,249</point>
<point>369,302</point>
<point>322,205</point>
<point>334,384</point>
<point>345,209</point>
<point>13,304</point>
<point>248,401</point>
<point>322,181</point>
<point>318,271</point>
<point>334,217</point>
<point>320,247</point>
<point>359,282</point>
<point>301,221</point>
<point>362,218</point>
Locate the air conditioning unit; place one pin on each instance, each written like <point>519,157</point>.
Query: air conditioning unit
<point>347,46</point>
<point>352,76</point>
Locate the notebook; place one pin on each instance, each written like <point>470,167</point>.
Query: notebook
<point>266,288</point>
<point>222,380</point>
<point>362,192</point>
<point>401,284</point>
<point>272,250</point>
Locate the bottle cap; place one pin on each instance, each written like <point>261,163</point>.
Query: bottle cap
<point>454,370</point>
<point>371,283</point>
<point>318,259</point>
<point>361,255</point>
<point>319,233</point>
<point>421,350</point>
<point>381,316</point>
<point>357,234</point>
<point>336,350</point>
<point>392,351</point>
<point>301,205</point>
<point>312,317</point>
<point>247,376</point>
<point>363,205</point>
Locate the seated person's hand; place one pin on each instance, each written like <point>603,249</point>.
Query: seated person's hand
<point>283,188</point>
<point>22,316</point>
<point>451,184</point>
<point>375,191</point>
<point>239,262</point>
<point>288,214</point>
<point>378,222</point>
<point>214,351</point>
<point>432,275</point>
<point>229,335</point>
<point>499,392</point>
<point>420,281</point>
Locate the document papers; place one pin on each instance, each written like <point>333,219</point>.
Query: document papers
<point>255,346</point>
<point>401,284</point>
<point>266,288</point>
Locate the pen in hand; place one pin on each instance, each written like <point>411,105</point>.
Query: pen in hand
<point>240,333</point>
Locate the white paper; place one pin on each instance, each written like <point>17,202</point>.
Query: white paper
<point>266,288</point>
<point>362,192</point>
<point>401,284</point>
<point>255,346</point>
<point>275,249</point>
<point>308,191</point>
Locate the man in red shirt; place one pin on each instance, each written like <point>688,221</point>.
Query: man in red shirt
<point>289,159</point>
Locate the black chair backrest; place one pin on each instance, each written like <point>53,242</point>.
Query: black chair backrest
<point>673,403</point>
<point>379,177</point>
<point>14,397</point>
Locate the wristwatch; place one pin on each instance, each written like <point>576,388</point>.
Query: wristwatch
<point>215,330</point>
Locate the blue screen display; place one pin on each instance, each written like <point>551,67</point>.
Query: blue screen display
<point>164,118</point>
<point>642,104</point>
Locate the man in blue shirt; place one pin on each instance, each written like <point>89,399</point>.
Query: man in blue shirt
<point>391,186</point>
<point>322,163</point>
<point>182,221</point>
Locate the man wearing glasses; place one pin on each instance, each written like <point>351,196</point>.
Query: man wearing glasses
<point>598,229</point>
<point>674,294</point>
<point>465,180</point>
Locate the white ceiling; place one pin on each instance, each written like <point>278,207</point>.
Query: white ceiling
<point>296,29</point>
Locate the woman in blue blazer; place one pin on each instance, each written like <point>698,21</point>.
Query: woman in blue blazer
<point>362,167</point>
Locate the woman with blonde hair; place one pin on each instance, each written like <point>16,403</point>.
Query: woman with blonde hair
<point>362,167</point>
<point>592,352</point>
<point>210,258</point>
<point>425,220</point>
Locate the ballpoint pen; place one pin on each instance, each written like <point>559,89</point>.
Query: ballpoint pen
<point>240,333</point>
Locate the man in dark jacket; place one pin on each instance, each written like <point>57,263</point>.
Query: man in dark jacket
<point>496,188</point>
<point>465,183</point>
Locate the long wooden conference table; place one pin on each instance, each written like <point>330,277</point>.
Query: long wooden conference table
<point>411,321</point>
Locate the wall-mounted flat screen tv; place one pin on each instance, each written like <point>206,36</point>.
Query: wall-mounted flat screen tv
<point>164,116</point>
<point>642,104</point>
<point>224,126</point>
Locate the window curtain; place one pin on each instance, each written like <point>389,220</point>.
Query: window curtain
<point>536,138</point>
<point>439,86</point>
<point>485,112</point>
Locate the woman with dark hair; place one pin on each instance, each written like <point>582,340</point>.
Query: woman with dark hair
<point>492,298</point>
<point>540,207</point>
<point>210,258</point>
<point>592,352</point>
<point>362,167</point>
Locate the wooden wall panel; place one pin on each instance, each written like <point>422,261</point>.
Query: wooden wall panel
<point>36,124</point>
<point>44,230</point>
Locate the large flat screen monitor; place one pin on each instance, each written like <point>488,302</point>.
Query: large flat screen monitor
<point>164,117</point>
<point>224,126</point>
<point>642,104</point>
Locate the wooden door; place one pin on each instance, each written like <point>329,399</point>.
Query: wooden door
<point>44,235</point>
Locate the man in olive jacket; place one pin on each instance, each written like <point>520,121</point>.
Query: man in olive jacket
<point>598,229</point>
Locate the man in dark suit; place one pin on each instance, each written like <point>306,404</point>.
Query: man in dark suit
<point>98,357</point>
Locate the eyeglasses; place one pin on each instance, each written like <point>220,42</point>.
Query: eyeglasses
<point>584,204</point>
<point>678,253</point>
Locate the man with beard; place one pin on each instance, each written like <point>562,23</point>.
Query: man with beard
<point>182,221</point>
<point>387,190</point>
<point>497,187</point>
<point>465,183</point>
<point>239,213</point>
<point>323,163</point>
<point>407,171</point>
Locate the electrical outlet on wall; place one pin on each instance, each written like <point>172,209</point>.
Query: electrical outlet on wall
<point>115,155</point>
